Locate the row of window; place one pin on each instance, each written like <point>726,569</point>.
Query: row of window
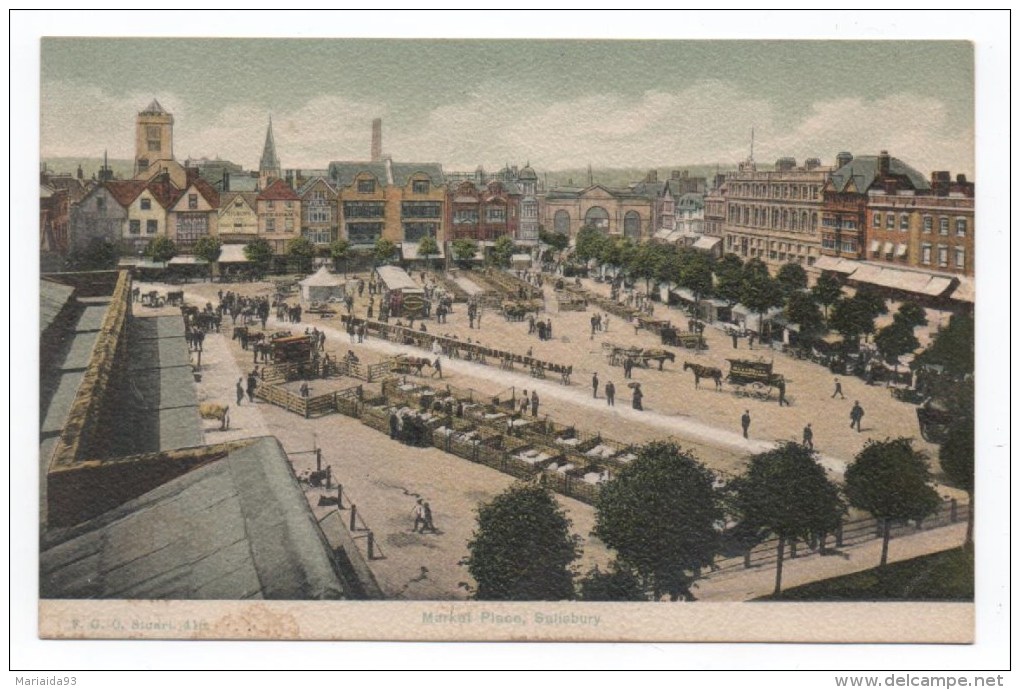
<point>775,191</point>
<point>773,245</point>
<point>839,223</point>
<point>927,225</point>
<point>845,244</point>
<point>288,225</point>
<point>774,218</point>
<point>417,186</point>
<point>941,252</point>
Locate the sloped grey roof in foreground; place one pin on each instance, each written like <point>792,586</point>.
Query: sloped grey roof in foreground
<point>237,528</point>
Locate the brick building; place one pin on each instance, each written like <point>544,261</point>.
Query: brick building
<point>279,215</point>
<point>483,213</point>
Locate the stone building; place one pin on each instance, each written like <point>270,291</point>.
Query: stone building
<point>194,214</point>
<point>772,215</point>
<point>929,231</point>
<point>845,198</point>
<point>154,138</point>
<point>614,211</point>
<point>238,217</point>
<point>401,202</point>
<point>483,213</point>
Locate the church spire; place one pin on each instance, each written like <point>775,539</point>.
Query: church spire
<point>269,165</point>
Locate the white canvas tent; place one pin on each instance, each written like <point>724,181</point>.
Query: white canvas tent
<point>321,286</point>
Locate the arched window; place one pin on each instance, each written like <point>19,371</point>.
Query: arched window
<point>561,222</point>
<point>786,220</point>
<point>632,224</point>
<point>804,220</point>
<point>814,221</point>
<point>597,217</point>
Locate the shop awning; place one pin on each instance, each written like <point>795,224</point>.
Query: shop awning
<point>232,254</point>
<point>964,292</point>
<point>188,261</point>
<point>875,245</point>
<point>836,265</point>
<point>707,243</point>
<point>901,250</point>
<point>888,248</point>
<point>938,286</point>
<point>683,293</point>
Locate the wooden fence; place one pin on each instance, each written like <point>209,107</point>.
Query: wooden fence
<point>458,349</point>
<point>312,406</point>
<point>511,286</point>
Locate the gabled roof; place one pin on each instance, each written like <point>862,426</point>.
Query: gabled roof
<point>307,186</point>
<point>207,191</point>
<point>278,191</point>
<point>227,199</point>
<point>125,191</point>
<point>153,108</point>
<point>343,172</point>
<point>652,190</point>
<point>402,172</point>
<point>862,172</point>
<point>234,528</point>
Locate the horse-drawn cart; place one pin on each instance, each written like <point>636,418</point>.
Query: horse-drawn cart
<point>295,348</point>
<point>752,378</point>
<point>686,339</point>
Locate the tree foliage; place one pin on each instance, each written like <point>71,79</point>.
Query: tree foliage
<point>760,291</point>
<point>729,278</point>
<point>97,255</point>
<point>522,549</point>
<point>619,583</point>
<point>786,492</point>
<point>384,250</point>
<point>890,480</point>
<point>557,240</point>
<point>802,310</point>
<point>695,272</point>
<point>259,252</point>
<point>428,247</point>
<point>659,514</point>
<point>956,457</point>
<point>464,250</point>
<point>792,278</point>
<point>161,249</point>
<point>207,249</point>
<point>590,243</point>
<point>896,340</point>
<point>827,290</point>
<point>953,347</point>
<point>850,320</point>
<point>503,251</point>
<point>911,314</point>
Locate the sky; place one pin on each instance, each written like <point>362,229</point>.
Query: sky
<point>555,104</point>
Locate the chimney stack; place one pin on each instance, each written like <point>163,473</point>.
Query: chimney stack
<point>377,139</point>
<point>883,163</point>
<point>940,182</point>
<point>843,158</point>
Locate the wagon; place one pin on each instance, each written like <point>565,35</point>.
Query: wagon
<point>752,377</point>
<point>691,341</point>
<point>297,348</point>
<point>933,423</point>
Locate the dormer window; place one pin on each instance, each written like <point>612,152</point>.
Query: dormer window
<point>366,186</point>
<point>146,204</point>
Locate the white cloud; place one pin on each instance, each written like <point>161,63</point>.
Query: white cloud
<point>709,122</point>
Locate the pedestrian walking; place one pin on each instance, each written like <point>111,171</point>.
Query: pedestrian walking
<point>750,340</point>
<point>252,383</point>
<point>394,425</point>
<point>304,389</point>
<point>419,516</point>
<point>733,335</point>
<point>809,437</point>
<point>595,385</point>
<point>856,415</point>
<point>525,402</point>
<point>438,368</point>
<point>781,387</point>
<point>427,514</point>
<point>610,394</point>
<point>637,398</point>
<point>839,389</point>
<point>548,329</point>
<point>534,403</point>
<point>745,422</point>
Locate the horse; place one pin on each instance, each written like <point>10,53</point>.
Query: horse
<point>405,363</point>
<point>701,371</point>
<point>659,356</point>
<point>216,411</point>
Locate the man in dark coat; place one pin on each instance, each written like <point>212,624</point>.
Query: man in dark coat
<point>745,422</point>
<point>595,385</point>
<point>856,414</point>
<point>610,394</point>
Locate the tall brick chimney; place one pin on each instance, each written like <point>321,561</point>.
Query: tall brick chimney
<point>377,139</point>
<point>883,163</point>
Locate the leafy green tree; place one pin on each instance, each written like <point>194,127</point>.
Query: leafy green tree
<point>850,320</point>
<point>827,291</point>
<point>755,267</point>
<point>503,251</point>
<point>260,253</point>
<point>384,250</point>
<point>760,293</point>
<point>894,341</point>
<point>696,275</point>
<point>729,276</point>
<point>792,278</point>
<point>522,549</point>
<point>871,300</point>
<point>301,251</point>
<point>644,263</point>
<point>557,240</point>
<point>464,250</point>
<point>427,247</point>
<point>890,480</point>
<point>340,250</point>
<point>97,255</point>
<point>161,249</point>
<point>659,513</point>
<point>953,347</point>
<point>802,310</point>
<point>912,314</point>
<point>619,583</point>
<point>207,249</point>
<point>786,492</point>
<point>956,457</point>
<point>590,243</point>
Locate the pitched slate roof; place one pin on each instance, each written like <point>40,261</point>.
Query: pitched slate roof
<point>307,186</point>
<point>652,190</point>
<point>207,191</point>
<point>235,528</point>
<point>342,173</point>
<point>402,172</point>
<point>52,299</point>
<point>278,191</point>
<point>863,170</point>
<point>153,108</point>
<point>227,199</point>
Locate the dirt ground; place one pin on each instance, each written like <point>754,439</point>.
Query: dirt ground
<point>385,477</point>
